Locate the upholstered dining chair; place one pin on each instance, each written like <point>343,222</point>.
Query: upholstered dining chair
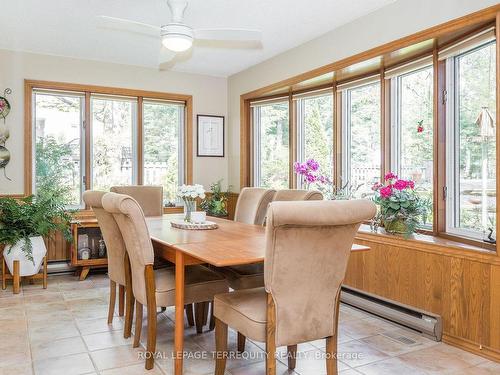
<point>117,260</point>
<point>307,249</point>
<point>150,198</point>
<point>252,275</point>
<point>152,287</point>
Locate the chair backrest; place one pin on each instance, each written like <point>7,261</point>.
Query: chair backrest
<point>130,219</point>
<point>307,249</point>
<point>150,198</point>
<point>297,195</point>
<point>115,247</point>
<point>252,205</point>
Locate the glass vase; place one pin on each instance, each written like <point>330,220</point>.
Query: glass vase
<point>189,207</point>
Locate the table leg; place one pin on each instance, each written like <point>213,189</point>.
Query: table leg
<point>179,312</point>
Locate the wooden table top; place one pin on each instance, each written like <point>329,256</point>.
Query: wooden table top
<point>231,244</point>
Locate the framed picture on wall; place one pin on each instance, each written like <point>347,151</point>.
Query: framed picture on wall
<point>210,132</point>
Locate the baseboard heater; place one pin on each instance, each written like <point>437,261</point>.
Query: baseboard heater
<point>428,324</point>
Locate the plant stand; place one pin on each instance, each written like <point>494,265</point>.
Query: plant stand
<point>16,278</point>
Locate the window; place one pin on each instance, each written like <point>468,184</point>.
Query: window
<point>471,153</point>
<point>113,152</point>
<point>271,148</point>
<point>163,161</point>
<point>412,144</point>
<point>58,136</point>
<point>100,137</point>
<point>361,143</point>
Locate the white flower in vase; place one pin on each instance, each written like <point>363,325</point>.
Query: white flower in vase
<point>189,193</point>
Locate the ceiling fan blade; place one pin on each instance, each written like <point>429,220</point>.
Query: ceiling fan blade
<point>235,35</point>
<point>166,59</point>
<point>115,23</point>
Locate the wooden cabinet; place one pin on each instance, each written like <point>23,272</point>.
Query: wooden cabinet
<point>88,248</point>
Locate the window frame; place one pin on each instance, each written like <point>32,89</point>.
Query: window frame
<point>452,170</point>
<point>88,90</point>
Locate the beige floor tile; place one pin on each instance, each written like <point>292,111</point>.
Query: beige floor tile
<point>490,367</point>
<point>17,369</point>
<point>54,307</point>
<point>391,366</point>
<point>355,353</point>
<point>85,294</point>
<point>15,325</point>
<point>137,369</point>
<point>106,340</point>
<point>259,369</point>
<point>43,331</point>
<point>390,346</point>
<point>14,355</point>
<point>76,364</point>
<point>313,363</point>
<point>90,326</point>
<point>43,298</point>
<point>75,285</point>
<point>350,371</point>
<point>361,328</point>
<point>58,348</point>
<point>10,301</point>
<point>467,357</point>
<point>120,356</point>
<point>52,316</point>
<point>432,360</point>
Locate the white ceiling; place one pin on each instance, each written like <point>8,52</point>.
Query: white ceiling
<point>69,28</point>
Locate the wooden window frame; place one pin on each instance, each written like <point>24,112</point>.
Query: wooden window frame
<point>88,90</point>
<point>489,16</point>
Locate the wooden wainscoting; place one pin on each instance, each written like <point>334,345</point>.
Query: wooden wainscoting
<point>461,286</point>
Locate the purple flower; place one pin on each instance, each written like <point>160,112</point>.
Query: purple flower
<point>376,186</point>
<point>390,176</point>
<point>313,164</point>
<point>300,168</point>
<point>310,178</point>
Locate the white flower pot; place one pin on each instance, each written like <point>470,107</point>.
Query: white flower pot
<point>26,266</point>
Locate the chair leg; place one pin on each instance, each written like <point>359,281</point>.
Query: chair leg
<point>112,301</point>
<point>129,314</point>
<point>199,318</point>
<point>190,314</point>
<point>271,336</point>
<point>138,324</point>
<point>205,312</point>
<point>331,355</point>
<point>212,317</point>
<point>151,343</point>
<point>241,342</point>
<point>121,300</point>
<point>220,347</point>
<point>292,356</point>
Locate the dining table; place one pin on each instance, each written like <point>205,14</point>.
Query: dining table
<point>230,244</point>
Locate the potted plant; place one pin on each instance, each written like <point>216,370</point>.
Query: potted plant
<point>189,194</point>
<point>24,223</point>
<point>216,203</point>
<point>401,208</point>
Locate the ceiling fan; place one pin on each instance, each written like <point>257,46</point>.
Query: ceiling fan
<point>177,37</point>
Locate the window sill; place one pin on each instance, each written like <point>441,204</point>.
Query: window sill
<point>430,244</point>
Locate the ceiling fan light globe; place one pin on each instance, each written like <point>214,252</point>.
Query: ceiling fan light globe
<point>177,43</point>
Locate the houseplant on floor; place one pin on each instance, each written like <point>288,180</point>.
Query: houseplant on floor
<point>25,222</point>
<point>401,208</point>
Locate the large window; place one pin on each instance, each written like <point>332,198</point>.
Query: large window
<point>471,168</point>
<point>113,152</point>
<point>163,137</point>
<point>412,144</point>
<point>315,135</point>
<point>271,145</point>
<point>361,143</point>
<point>87,140</point>
<point>58,136</point>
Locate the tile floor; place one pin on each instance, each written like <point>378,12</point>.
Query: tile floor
<point>63,330</point>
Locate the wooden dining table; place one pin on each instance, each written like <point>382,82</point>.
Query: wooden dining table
<point>231,244</point>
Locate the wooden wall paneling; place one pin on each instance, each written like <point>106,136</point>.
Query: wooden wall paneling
<point>492,334</point>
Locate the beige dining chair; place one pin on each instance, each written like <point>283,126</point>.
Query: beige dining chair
<point>117,260</point>
<point>155,287</point>
<point>150,198</point>
<point>307,250</point>
<point>252,275</point>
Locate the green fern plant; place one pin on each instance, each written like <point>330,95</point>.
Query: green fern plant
<point>42,214</point>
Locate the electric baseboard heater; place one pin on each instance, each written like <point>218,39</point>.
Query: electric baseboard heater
<point>429,324</point>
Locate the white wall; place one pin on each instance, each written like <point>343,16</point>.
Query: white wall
<point>209,97</point>
<point>392,22</point>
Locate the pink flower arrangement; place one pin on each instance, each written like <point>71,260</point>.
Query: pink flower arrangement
<point>309,172</point>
